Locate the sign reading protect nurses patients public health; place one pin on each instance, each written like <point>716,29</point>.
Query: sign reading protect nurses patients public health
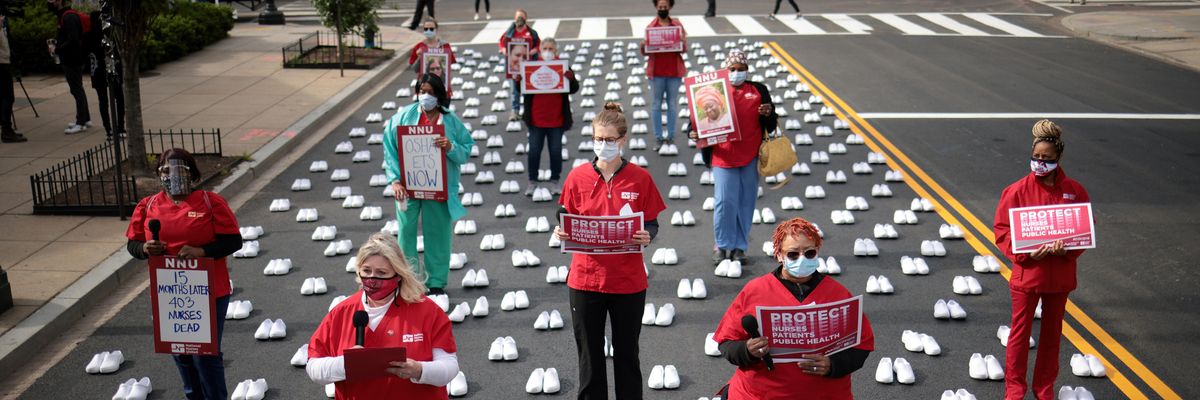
<point>544,77</point>
<point>422,164</point>
<point>1033,227</point>
<point>601,235</point>
<point>182,306</point>
<point>813,329</point>
<point>664,39</point>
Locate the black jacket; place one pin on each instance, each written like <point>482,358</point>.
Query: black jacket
<point>566,103</point>
<point>70,46</point>
<point>768,122</point>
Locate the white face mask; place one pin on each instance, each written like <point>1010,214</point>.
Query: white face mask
<point>737,77</point>
<point>606,151</point>
<point>428,102</point>
<point>1042,168</point>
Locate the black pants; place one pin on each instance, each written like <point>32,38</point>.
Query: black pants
<point>544,137</point>
<point>418,16</point>
<point>74,75</point>
<point>588,313</point>
<point>6,97</point>
<point>712,9</point>
<point>487,4</point>
<point>780,2</point>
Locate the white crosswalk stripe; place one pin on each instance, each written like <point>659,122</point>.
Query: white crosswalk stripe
<point>910,24</point>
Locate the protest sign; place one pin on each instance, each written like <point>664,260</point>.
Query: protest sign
<point>422,163</point>
<point>1033,227</point>
<point>544,77</point>
<point>664,39</point>
<point>710,99</point>
<point>601,235</point>
<point>517,53</point>
<point>182,306</point>
<point>813,329</point>
<point>437,62</point>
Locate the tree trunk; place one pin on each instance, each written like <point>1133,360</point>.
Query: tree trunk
<point>135,18</point>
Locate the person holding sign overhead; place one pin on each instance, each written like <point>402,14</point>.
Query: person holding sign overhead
<point>735,163</point>
<point>795,282</point>
<point>186,222</point>
<point>435,216</point>
<point>1046,275</point>
<point>609,286</point>
<point>516,44</point>
<point>548,117</point>
<point>397,315</point>
<point>665,70</point>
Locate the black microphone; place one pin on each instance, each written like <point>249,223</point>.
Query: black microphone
<point>750,325</point>
<point>360,326</point>
<point>154,228</point>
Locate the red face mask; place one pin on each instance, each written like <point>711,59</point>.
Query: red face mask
<point>380,288</point>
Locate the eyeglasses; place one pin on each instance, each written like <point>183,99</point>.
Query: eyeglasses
<point>609,140</point>
<point>167,168</point>
<point>795,255</point>
<point>430,29</point>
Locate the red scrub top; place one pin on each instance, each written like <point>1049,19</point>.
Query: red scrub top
<point>419,327</point>
<point>194,222</point>
<point>586,193</point>
<point>1051,274</point>
<point>786,381</point>
<point>739,153</point>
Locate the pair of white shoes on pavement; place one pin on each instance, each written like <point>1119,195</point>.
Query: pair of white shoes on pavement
<point>711,348</point>
<point>537,225</point>
<point>269,330</point>
<point>465,227</point>
<point>913,266</point>
<point>664,317</point>
<point>835,176</point>
<point>250,232</point>
<point>729,269</point>
<point>250,390</point>
<point>879,285</point>
<point>921,204</point>
<point>372,213</point>
<point>517,300</point>
<point>340,247</point>
<point>985,368</point>
<point>917,342</point>
<point>764,216</point>
<point>525,258</point>
<point>933,248</point>
<point>280,205</point>
<point>691,289</point>
<point>239,309</point>
<point>898,370</point>
<point>892,175</point>
<point>967,285</point>
<point>548,321</point>
<point>134,389</point>
<point>1087,365</point>
<point>881,190</point>
<point>105,363</point>
<point>301,184</point>
<point>543,381</point>
<point>829,266</point>
<point>1077,393</point>
<point>947,231</point>
<point>841,217</point>
<point>885,231</point>
<point>458,260</point>
<point>476,278</point>
<point>249,250</point>
<point>865,248</point>
<point>664,256</point>
<point>789,203</point>
<point>1002,334</point>
<point>557,274</point>
<point>307,215</point>
<point>679,192</point>
<point>857,203</point>
<point>663,377</point>
<point>684,218</point>
<point>324,233</point>
<point>948,309</point>
<point>505,210</point>
<point>503,349</point>
<point>313,286</point>
<point>961,394</point>
<point>985,264</point>
<point>492,242</point>
<point>905,217</point>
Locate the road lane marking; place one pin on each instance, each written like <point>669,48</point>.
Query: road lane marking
<point>949,23</point>
<point>848,23</point>
<point>871,135</point>
<point>593,28</point>
<point>639,24</point>
<point>747,25</point>
<point>546,27</point>
<point>1003,25</point>
<point>491,32</point>
<point>903,25</point>
<point>936,115</point>
<point>695,25</point>
<point>801,26</point>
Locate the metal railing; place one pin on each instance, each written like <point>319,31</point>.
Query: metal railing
<point>203,142</point>
<point>305,51</point>
<point>80,186</point>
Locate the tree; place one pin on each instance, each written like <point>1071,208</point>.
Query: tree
<point>134,18</point>
<point>356,16</point>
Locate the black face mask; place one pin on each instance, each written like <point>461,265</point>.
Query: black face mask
<point>664,13</point>
<point>520,22</point>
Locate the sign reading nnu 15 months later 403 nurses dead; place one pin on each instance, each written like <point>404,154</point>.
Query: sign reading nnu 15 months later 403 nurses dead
<point>601,235</point>
<point>422,162</point>
<point>1033,227</point>
<point>183,306</point>
<point>824,329</point>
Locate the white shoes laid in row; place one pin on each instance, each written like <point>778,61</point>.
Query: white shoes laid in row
<point>306,215</point>
<point>684,218</point>
<point>664,317</point>
<point>876,158</point>
<point>492,242</point>
<point>548,321</point>
<point>503,349</point>
<point>269,329</point>
<point>829,266</point>
<point>791,203</point>
<point>835,177</point>
<point>985,264</point>
<point>985,368</point>
<point>239,309</point>
<point>105,363</point>
<point>881,190</point>
<point>518,300</point>
<point>664,256</point>
<point>933,248</point>
<point>693,289</point>
<point>857,203</point>
<point>913,266</point>
<point>947,231</point>
<point>465,227</point>
<point>1002,334</point>
<point>514,167</point>
<point>967,285</point>
<point>879,285</point>
<point>475,278</point>
<point>543,381</point>
<point>960,394</point>
<point>669,149</point>
<point>819,157</point>
<point>920,343</point>
<point>540,195</point>
<point>280,205</point>
<point>886,231</point>
<point>1077,393</point>
<point>729,269</point>
<point>341,247</point>
<point>890,371</point>
<point>250,390</point>
<point>467,199</point>
<point>677,169</point>
<point>679,192</point>
<point>524,258</point>
<point>1087,365</point>
<point>489,177</point>
<point>301,184</point>
<point>339,175</point>
<point>505,210</point>
<point>663,377</point>
<point>921,204</point>
<point>313,286</point>
<point>841,217</point>
<point>893,176</point>
<point>706,177</point>
<point>764,216</point>
<point>865,248</point>
<point>361,156</point>
<point>538,225</point>
<point>249,250</point>
<point>250,232</point>
<point>373,213</point>
<point>837,148</point>
<point>134,389</point>
<point>801,168</point>
<point>861,168</point>
<point>322,233</point>
<point>556,274</point>
<point>948,309</point>
<point>814,192</point>
<point>904,217</point>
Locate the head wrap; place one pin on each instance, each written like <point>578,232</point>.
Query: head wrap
<point>735,57</point>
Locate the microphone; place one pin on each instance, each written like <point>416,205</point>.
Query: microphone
<point>155,226</point>
<point>750,325</point>
<point>360,325</point>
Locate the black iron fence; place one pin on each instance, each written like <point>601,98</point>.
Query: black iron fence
<point>319,49</point>
<point>203,142</point>
<point>85,184</point>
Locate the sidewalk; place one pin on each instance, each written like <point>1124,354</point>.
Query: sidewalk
<point>236,85</point>
<point>1169,34</point>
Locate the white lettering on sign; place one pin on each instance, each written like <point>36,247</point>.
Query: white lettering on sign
<point>178,263</point>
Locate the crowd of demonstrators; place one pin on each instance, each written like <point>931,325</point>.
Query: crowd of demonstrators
<point>794,282</point>
<point>665,72</point>
<point>434,217</point>
<point>548,117</point>
<point>68,48</point>
<point>735,163</point>
<point>1046,275</point>
<point>7,133</point>
<point>394,301</point>
<point>190,223</point>
<point>519,32</point>
<point>609,286</point>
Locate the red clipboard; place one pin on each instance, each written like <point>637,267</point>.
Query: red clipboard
<point>371,363</point>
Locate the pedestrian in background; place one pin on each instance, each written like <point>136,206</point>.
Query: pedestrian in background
<point>418,13</point>
<point>665,72</point>
<point>712,9</point>
<point>548,117</point>
<point>99,73</point>
<point>7,133</point>
<point>433,217</point>
<point>735,163</point>
<point>518,31</point>
<point>488,8</point>
<point>1046,275</point>
<point>433,43</point>
<point>778,3</point>
<point>68,47</point>
<point>609,286</point>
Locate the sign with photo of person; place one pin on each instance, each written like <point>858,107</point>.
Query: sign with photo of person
<point>437,62</point>
<point>710,101</point>
<point>517,53</point>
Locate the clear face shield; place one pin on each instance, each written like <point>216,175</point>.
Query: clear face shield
<point>176,177</point>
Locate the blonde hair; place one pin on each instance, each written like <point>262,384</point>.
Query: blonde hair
<point>611,117</point>
<point>1049,132</point>
<point>384,245</point>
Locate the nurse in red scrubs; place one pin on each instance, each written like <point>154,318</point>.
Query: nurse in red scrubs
<point>193,223</point>
<point>400,315</point>
<point>795,282</point>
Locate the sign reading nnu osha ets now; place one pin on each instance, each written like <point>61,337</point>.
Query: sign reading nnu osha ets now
<point>183,306</point>
<point>422,162</point>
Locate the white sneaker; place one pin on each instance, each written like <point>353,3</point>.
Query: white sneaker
<point>536,381</point>
<point>550,383</point>
<point>670,377</point>
<point>264,330</point>
<point>306,289</point>
<point>1083,394</point>
<point>995,371</point>
<point>93,367</point>
<point>941,310</point>
<point>458,385</point>
<point>885,285</point>
<point>666,315</point>
<point>507,303</point>
<point>510,349</point>
<point>698,289</point>
<point>468,279</point>
<point>543,321</point>
<point>459,314</point>
<point>556,321</point>
<point>912,341</point>
<point>884,372</point>
<point>656,378</point>
<point>278,329</point>
<point>1095,366</point>
<point>956,310</point>
<point>684,290</point>
<point>481,307</point>
<point>931,345</point>
<point>976,367</point>
<point>907,266</point>
<point>904,371</point>
<point>960,285</point>
<point>481,278</point>
<point>973,285</point>
<point>300,358</point>
<point>111,362</point>
<point>872,284</point>
<point>1067,393</point>
<point>648,315</point>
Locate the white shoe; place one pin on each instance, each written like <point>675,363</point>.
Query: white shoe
<point>698,289</point>
<point>684,290</point>
<point>510,349</point>
<point>884,372</point>
<point>832,267</point>
<point>481,278</point>
<point>648,314</point>
<point>931,345</point>
<point>111,362</point>
<point>735,269</point>
<point>518,259</point>
<point>306,289</point>
<point>459,314</point>
<point>1067,393</point>
<point>93,367</point>
<point>956,310</point>
<point>666,315</point>
<point>1079,365</point>
<point>688,218</point>
<point>722,269</point>
<point>278,329</point>
<point>656,378</point>
<point>543,321</point>
<point>995,371</point>
<point>536,381</point>
<point>885,285</point>
<point>904,371</point>
<point>300,358</point>
<point>257,389</point>
<point>907,266</point>
<point>912,341</point>
<point>140,389</point>
<point>556,321</point>
<point>976,367</point>
<point>508,302</point>
<point>481,307</point>
<point>873,284</point>
<point>711,348</point>
<point>1095,366</point>
<point>949,395</point>
<point>550,383</point>
<point>468,279</point>
<point>124,389</point>
<point>963,394</point>
<point>243,309</point>
<point>941,310</point>
<point>670,377</point>
<point>264,330</point>
<point>973,285</point>
<point>921,266</point>
<point>960,285</point>
<point>458,385</point>
<point>1083,394</point>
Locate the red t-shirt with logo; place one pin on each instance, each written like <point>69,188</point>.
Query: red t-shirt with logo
<point>739,153</point>
<point>418,327</point>
<point>586,193</point>
<point>195,222</point>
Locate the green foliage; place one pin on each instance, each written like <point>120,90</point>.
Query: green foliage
<point>27,38</point>
<point>356,16</point>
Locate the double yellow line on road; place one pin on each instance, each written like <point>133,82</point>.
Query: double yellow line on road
<point>899,161</point>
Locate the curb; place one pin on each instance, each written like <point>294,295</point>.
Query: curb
<point>1088,32</point>
<point>24,341</point>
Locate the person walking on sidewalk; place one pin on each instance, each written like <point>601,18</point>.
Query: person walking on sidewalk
<point>68,46</point>
<point>548,117</point>
<point>7,134</point>
<point>434,217</point>
<point>518,32</point>
<point>780,2</point>
<point>665,72</point>
<point>487,8</point>
<point>417,14</point>
<point>112,123</point>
